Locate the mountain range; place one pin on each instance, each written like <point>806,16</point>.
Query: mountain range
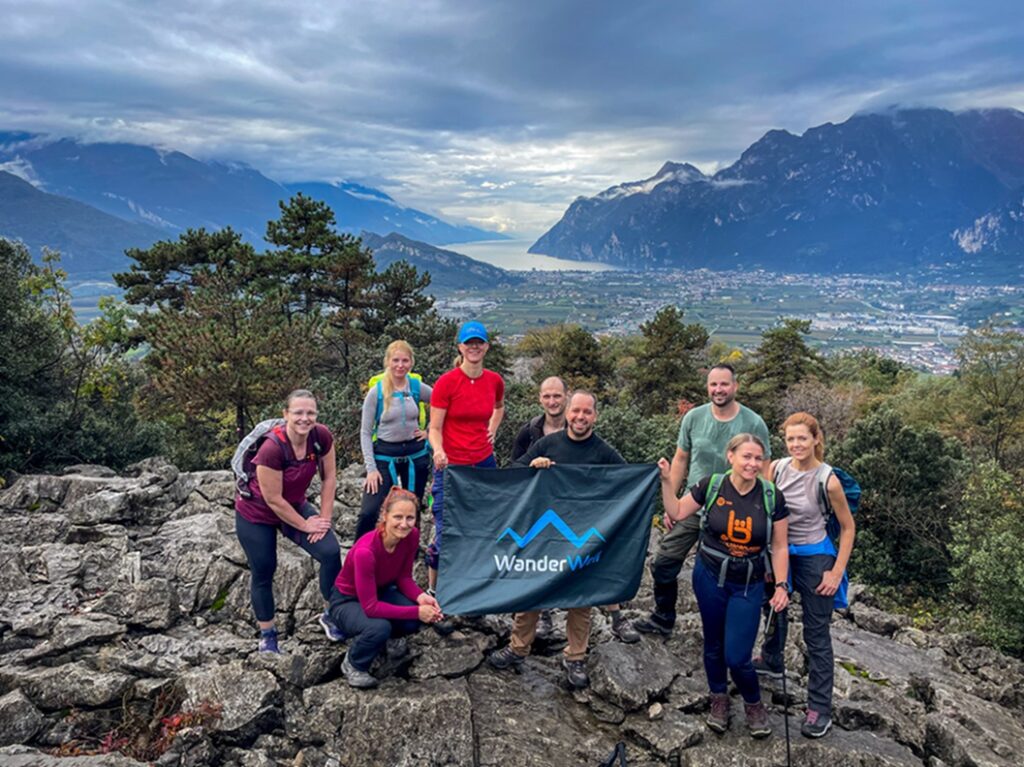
<point>902,190</point>
<point>448,270</point>
<point>123,195</point>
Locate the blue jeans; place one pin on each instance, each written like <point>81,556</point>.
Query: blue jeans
<point>260,545</point>
<point>437,490</point>
<point>370,634</point>
<point>806,574</point>
<point>730,615</point>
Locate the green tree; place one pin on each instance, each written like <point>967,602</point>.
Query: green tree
<point>666,366</point>
<point>988,569</point>
<point>782,359</point>
<point>164,272</point>
<point>577,357</point>
<point>992,380</point>
<point>30,376</point>
<point>910,480</point>
<point>227,348</point>
<point>324,271</point>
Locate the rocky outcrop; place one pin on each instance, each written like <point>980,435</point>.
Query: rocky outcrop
<point>125,625</point>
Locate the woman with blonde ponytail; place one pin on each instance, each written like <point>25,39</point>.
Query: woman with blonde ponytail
<point>393,440</point>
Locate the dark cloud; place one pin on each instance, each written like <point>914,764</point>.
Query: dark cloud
<point>499,111</point>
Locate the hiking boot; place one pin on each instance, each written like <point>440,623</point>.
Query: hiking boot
<point>544,625</point>
<point>397,648</point>
<point>356,678</point>
<point>444,628</point>
<point>622,629</point>
<point>268,641</point>
<point>718,716</point>
<point>506,658</point>
<point>576,673</point>
<point>654,624</point>
<point>757,720</point>
<point>815,724</point>
<point>761,667</point>
<point>334,633</point>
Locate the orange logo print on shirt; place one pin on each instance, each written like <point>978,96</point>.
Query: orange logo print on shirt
<point>740,531</point>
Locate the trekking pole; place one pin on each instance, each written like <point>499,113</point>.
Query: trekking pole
<point>769,630</point>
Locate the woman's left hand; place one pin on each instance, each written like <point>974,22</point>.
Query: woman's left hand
<point>419,435</point>
<point>318,535</point>
<point>829,585</point>
<point>779,600</point>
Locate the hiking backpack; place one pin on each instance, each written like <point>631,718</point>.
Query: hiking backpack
<point>768,495</point>
<point>272,429</point>
<point>415,381</point>
<point>851,489</point>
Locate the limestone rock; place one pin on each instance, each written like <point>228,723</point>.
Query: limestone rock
<point>75,630</point>
<point>453,656</point>
<point>249,699</point>
<point>19,719</point>
<point>631,676</point>
<point>668,737</point>
<point>71,685</point>
<point>21,756</point>
<point>877,621</point>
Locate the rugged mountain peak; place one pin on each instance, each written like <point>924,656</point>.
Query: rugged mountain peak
<point>879,192</point>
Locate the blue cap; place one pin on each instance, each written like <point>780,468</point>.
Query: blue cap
<point>471,330</point>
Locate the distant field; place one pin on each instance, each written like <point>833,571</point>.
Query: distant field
<point>918,323</point>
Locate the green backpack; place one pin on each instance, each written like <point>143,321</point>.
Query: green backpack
<point>714,490</point>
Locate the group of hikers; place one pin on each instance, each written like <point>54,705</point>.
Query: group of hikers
<point>759,525</point>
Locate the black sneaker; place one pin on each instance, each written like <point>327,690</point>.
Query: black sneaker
<point>544,625</point>
<point>623,630</point>
<point>505,658</point>
<point>762,668</point>
<point>815,724</point>
<point>654,624</point>
<point>576,673</point>
<point>397,648</point>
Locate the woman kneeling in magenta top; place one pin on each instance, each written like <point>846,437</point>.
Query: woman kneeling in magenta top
<point>375,597</point>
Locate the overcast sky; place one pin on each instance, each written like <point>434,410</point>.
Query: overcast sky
<point>497,113</point>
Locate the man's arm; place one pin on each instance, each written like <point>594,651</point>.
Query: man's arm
<point>521,443</point>
<point>676,477</point>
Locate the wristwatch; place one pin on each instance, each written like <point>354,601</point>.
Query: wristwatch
<point>784,585</point>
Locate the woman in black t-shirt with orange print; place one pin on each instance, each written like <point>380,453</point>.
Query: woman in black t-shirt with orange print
<point>745,515</point>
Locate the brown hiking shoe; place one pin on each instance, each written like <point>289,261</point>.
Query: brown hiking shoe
<point>757,720</point>
<point>718,716</point>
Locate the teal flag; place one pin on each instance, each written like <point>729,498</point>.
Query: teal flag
<point>530,539</point>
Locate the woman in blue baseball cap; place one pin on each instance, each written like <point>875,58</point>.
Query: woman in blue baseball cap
<point>466,408</point>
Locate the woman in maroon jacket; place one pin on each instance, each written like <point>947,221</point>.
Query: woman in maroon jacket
<point>286,463</point>
<point>375,597</point>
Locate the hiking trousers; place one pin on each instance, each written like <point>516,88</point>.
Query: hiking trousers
<point>577,632</point>
<point>370,511</point>
<point>668,562</point>
<point>369,635</point>
<point>806,574</point>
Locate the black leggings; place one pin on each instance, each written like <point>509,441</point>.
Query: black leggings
<point>372,501</point>
<point>260,545</point>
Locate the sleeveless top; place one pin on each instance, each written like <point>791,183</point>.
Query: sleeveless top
<point>806,521</point>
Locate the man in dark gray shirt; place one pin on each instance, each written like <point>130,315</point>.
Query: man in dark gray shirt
<point>576,444</point>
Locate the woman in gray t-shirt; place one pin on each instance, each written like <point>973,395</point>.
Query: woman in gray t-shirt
<point>815,565</point>
<point>393,434</point>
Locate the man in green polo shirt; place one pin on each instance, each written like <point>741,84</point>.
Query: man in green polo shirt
<point>700,451</point>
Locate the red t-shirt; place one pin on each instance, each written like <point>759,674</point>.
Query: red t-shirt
<point>296,476</point>
<point>469,403</point>
<point>369,566</point>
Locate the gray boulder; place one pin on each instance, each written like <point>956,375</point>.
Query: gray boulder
<point>19,719</point>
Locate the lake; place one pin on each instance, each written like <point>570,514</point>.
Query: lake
<point>512,255</point>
